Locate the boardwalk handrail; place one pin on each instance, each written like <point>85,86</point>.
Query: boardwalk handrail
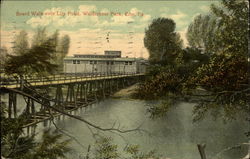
<point>60,79</point>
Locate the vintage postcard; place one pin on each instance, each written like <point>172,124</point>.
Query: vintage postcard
<point>129,79</point>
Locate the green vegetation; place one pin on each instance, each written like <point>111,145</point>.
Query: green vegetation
<point>163,43</point>
<point>44,56</point>
<point>105,149</point>
<point>212,71</point>
<point>16,145</point>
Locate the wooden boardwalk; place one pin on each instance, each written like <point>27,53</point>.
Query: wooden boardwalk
<point>61,79</point>
<point>70,94</point>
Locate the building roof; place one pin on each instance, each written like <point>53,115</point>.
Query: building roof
<point>70,58</point>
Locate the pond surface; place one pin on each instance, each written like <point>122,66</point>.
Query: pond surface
<point>174,137</point>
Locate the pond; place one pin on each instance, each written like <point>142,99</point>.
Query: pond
<point>174,136</point>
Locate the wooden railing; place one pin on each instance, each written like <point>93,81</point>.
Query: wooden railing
<point>17,81</point>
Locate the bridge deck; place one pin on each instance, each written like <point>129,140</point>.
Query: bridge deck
<point>55,80</point>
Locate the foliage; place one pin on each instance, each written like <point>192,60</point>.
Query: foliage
<point>50,147</point>
<point>135,153</point>
<point>16,145</point>
<point>232,37</point>
<point>35,61</point>
<point>162,42</point>
<point>40,36</point>
<point>21,45</point>
<point>62,50</point>
<point>226,78</point>
<point>202,31</point>
<point>160,110</point>
<point>226,74</point>
<point>105,149</point>
<point>160,84</point>
<point>216,63</point>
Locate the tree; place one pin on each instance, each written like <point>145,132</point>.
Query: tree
<point>21,44</point>
<point>64,45</point>
<point>233,33</point>
<point>222,75</point>
<point>226,74</point>
<point>162,42</point>
<point>63,48</point>
<point>15,145</point>
<point>202,33</point>
<point>40,36</point>
<point>37,60</point>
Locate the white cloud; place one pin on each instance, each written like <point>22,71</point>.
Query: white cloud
<point>178,17</point>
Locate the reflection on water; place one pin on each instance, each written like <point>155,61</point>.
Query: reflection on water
<point>175,136</point>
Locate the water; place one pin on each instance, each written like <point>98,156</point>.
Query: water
<point>174,136</point>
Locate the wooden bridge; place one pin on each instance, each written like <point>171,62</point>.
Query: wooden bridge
<point>48,97</point>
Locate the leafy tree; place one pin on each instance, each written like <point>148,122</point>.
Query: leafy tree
<point>63,48</point>
<point>40,36</point>
<point>16,145</point>
<point>162,42</point>
<point>64,45</point>
<point>35,61</point>
<point>202,33</point>
<point>233,35</point>
<point>21,45</point>
<point>226,74</point>
<point>223,75</point>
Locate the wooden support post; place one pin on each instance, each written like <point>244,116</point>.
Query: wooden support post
<point>70,93</point>
<point>117,84</point>
<point>81,91</point>
<point>86,92</point>
<point>15,104</point>
<point>59,96</point>
<point>32,105</point>
<point>110,86</point>
<point>201,148</point>
<point>123,82</point>
<point>95,89</point>
<point>12,104</point>
<point>77,91</point>
<point>103,88</point>
<point>28,106</point>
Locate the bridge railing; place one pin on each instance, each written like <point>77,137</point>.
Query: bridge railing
<point>16,81</point>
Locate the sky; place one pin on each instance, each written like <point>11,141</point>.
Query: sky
<point>95,26</point>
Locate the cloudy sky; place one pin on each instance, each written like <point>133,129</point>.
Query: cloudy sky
<point>95,26</point>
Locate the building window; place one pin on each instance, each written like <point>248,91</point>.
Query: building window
<point>92,62</point>
<point>111,62</point>
<point>130,62</point>
<point>126,62</point>
<point>74,61</point>
<point>78,61</point>
<point>107,62</point>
